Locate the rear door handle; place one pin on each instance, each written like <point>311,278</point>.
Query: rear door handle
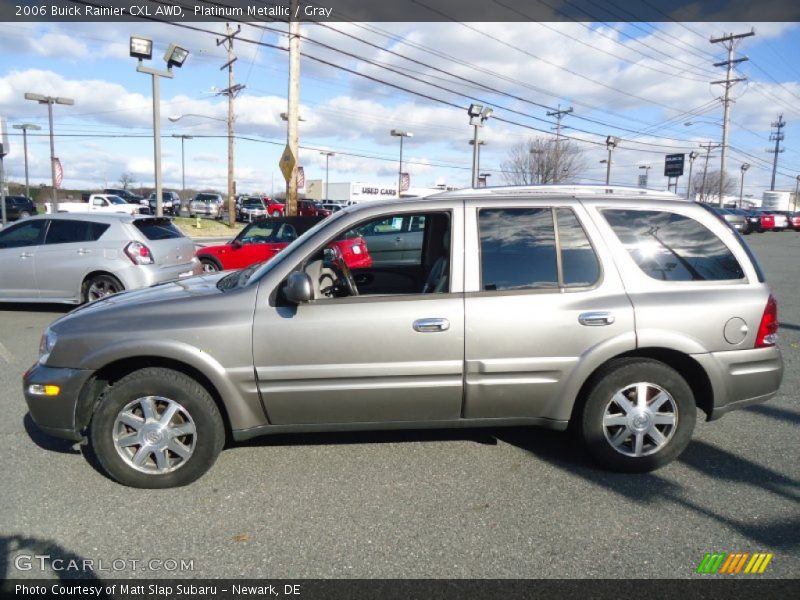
<point>431,325</point>
<point>83,251</point>
<point>26,255</point>
<point>594,319</point>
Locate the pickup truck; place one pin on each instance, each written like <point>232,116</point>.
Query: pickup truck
<point>97,202</point>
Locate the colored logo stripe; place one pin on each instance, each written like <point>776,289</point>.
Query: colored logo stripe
<point>732,564</point>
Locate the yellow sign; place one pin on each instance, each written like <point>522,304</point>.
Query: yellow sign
<point>287,163</point>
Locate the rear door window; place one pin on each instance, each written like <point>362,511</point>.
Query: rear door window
<point>672,247</point>
<point>157,229</point>
<point>518,249</point>
<point>63,231</point>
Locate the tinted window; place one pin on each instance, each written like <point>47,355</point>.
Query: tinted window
<point>578,261</point>
<point>518,249</point>
<point>66,232</point>
<point>26,234</point>
<point>672,247</point>
<point>157,229</point>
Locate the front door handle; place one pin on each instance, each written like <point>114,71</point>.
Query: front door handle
<point>83,251</point>
<point>594,319</point>
<point>26,255</point>
<point>431,325</point>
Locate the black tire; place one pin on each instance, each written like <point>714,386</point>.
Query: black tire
<point>210,265</point>
<point>195,401</point>
<point>624,374</point>
<point>24,214</point>
<point>99,286</point>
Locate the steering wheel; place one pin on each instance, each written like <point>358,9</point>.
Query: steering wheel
<point>345,281</point>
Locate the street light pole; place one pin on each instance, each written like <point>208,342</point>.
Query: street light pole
<point>692,156</point>
<point>50,100</point>
<point>327,155</point>
<point>183,163</point>
<point>25,127</point>
<point>744,168</point>
<point>611,143</point>
<point>401,135</point>
<point>796,191</point>
<point>142,49</point>
<point>478,114</point>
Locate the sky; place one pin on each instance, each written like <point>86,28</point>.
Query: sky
<point>640,82</point>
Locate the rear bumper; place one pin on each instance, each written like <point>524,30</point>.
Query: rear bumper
<point>741,377</point>
<point>55,415</point>
<point>139,276</point>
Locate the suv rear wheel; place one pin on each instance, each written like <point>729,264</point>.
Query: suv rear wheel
<point>639,415</point>
<point>157,428</point>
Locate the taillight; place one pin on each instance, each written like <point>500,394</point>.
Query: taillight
<point>768,328</point>
<point>139,253</point>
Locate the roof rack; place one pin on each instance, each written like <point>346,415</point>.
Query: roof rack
<point>566,190</point>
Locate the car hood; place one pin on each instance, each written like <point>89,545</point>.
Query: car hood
<point>147,300</point>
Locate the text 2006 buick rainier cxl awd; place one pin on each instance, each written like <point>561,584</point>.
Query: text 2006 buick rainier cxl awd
<point>620,314</point>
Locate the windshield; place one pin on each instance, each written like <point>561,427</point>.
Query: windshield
<point>291,249</point>
<point>116,200</point>
<point>252,202</point>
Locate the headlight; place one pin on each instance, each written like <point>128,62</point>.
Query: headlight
<point>46,345</point>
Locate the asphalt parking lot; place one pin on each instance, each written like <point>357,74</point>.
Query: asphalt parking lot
<point>518,503</point>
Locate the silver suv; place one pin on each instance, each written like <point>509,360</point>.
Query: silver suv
<point>80,257</point>
<point>618,313</point>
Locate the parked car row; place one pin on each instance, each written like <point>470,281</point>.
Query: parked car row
<point>758,220</point>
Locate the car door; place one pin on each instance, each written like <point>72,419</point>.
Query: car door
<point>67,255</point>
<point>360,359</point>
<point>18,245</point>
<point>540,297</point>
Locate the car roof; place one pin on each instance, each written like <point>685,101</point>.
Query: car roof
<point>96,216</point>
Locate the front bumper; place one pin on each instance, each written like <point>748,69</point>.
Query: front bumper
<point>56,415</point>
<point>740,378</point>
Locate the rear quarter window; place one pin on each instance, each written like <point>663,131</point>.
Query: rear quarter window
<point>157,229</point>
<point>672,247</point>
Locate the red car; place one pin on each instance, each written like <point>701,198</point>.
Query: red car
<point>264,238</point>
<point>794,221</point>
<point>767,222</point>
<point>275,208</point>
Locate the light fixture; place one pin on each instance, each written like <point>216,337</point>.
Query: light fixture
<point>474,110</point>
<point>400,133</point>
<point>175,56</point>
<point>141,48</point>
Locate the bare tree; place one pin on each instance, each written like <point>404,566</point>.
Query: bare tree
<point>125,180</point>
<point>706,189</point>
<point>536,161</point>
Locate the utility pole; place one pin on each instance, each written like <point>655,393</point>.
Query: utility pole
<point>708,148</point>
<point>777,137</point>
<point>231,91</point>
<point>692,156</point>
<point>558,114</point>
<point>730,42</point>
<point>292,133</point>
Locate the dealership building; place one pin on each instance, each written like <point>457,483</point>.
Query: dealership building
<point>358,191</point>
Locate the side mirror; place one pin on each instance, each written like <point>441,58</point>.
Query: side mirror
<point>298,289</point>
<point>236,244</point>
<point>329,254</point>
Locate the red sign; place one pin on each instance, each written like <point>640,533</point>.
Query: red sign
<point>405,182</point>
<point>59,172</point>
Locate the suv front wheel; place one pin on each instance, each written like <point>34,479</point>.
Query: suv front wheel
<point>156,428</point>
<point>639,415</point>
